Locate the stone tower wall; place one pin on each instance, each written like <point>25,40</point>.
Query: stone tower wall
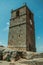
<point>30,34</point>
<point>21,32</point>
<point>17,34</point>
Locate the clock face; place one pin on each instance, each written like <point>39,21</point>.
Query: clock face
<point>30,21</point>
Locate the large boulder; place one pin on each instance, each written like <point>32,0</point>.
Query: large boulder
<point>28,55</point>
<point>32,55</point>
<point>38,55</point>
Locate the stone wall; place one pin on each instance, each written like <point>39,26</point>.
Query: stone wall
<point>17,30</point>
<point>30,34</point>
<point>21,30</point>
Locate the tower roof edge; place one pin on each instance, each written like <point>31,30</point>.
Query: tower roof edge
<point>25,5</point>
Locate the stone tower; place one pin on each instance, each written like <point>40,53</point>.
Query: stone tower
<point>21,30</point>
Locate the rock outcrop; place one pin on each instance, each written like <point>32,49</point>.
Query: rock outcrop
<point>11,57</point>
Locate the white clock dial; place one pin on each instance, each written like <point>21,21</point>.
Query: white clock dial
<point>30,21</point>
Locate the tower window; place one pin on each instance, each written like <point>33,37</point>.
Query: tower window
<point>30,15</point>
<point>17,13</point>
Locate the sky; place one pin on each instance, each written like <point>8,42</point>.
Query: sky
<point>36,6</point>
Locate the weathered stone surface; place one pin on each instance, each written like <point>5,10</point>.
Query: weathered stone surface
<point>24,62</point>
<point>22,58</point>
<point>21,32</point>
<point>38,55</point>
<point>32,55</point>
<point>4,63</point>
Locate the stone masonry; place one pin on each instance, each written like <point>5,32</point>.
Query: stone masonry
<point>21,30</point>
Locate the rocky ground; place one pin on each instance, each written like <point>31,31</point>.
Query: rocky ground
<point>21,61</point>
<point>11,57</point>
<point>30,59</point>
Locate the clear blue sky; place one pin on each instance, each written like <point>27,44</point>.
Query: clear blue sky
<point>36,6</point>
